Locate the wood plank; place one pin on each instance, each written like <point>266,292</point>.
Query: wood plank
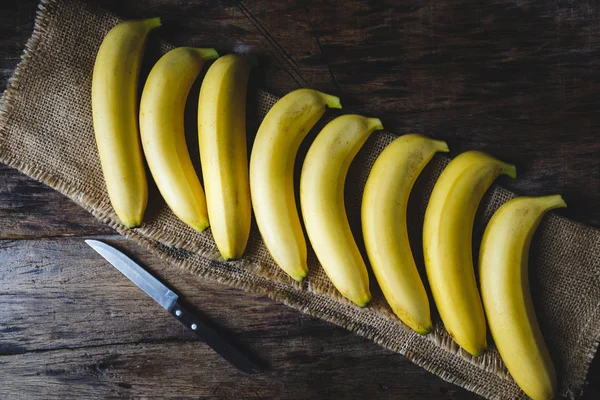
<point>16,24</point>
<point>72,325</point>
<point>185,370</point>
<point>31,209</point>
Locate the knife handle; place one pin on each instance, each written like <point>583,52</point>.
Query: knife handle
<point>215,339</point>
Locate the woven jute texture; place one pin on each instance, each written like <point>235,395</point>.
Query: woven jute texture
<point>46,132</point>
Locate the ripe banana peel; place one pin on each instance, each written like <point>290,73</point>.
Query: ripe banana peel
<point>385,231</point>
<point>115,117</point>
<point>504,279</point>
<point>163,136</point>
<point>222,139</point>
<point>322,200</point>
<point>447,240</point>
<point>272,173</point>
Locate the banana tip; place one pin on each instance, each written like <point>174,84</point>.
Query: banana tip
<point>299,275</point>
<point>131,222</point>
<point>425,331</point>
<point>363,301</point>
<point>479,352</point>
<point>228,257</point>
<point>200,226</point>
<point>131,225</point>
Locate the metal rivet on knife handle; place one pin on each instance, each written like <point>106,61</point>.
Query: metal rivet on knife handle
<point>168,300</point>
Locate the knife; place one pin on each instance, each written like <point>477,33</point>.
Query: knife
<point>168,300</point>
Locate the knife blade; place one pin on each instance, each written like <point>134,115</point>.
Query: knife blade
<point>169,301</point>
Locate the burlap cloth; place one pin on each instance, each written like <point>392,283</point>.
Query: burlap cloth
<point>46,132</point>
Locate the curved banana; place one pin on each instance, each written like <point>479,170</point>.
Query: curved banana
<point>222,139</point>
<point>322,200</point>
<point>503,273</point>
<point>114,111</point>
<point>163,136</point>
<point>384,206</point>
<point>272,173</point>
<point>447,240</point>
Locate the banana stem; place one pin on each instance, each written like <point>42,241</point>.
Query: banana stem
<point>152,23</point>
<point>510,170</point>
<point>440,146</point>
<point>206,53</point>
<point>332,101</point>
<point>375,124</point>
<point>551,202</point>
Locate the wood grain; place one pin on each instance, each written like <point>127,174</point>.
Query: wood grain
<point>516,79</point>
<point>29,209</point>
<point>72,325</point>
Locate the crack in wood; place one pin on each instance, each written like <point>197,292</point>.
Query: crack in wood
<point>12,350</point>
<point>276,49</point>
<point>314,31</point>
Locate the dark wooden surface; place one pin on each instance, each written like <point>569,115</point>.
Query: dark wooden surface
<point>520,80</point>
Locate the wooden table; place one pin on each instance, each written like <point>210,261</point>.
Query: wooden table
<point>520,80</point>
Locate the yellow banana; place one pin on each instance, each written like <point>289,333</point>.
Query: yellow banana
<point>503,274</point>
<point>447,240</point>
<point>384,205</point>
<point>222,139</point>
<point>114,111</point>
<point>163,136</point>
<point>322,201</point>
<point>272,173</point>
